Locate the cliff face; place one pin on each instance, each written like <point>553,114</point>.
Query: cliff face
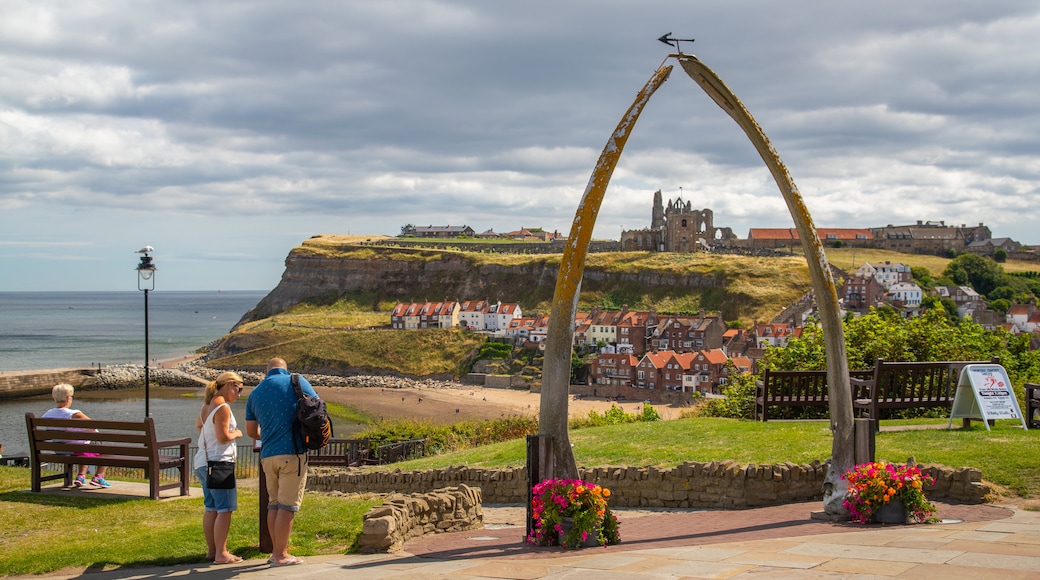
<point>414,275</point>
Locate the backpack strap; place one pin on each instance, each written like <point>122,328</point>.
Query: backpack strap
<point>295,380</point>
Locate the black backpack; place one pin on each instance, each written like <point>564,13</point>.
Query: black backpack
<point>312,421</point>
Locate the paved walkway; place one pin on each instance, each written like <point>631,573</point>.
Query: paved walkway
<point>974,541</point>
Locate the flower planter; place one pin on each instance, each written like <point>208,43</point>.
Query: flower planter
<point>559,506</point>
<point>591,542</point>
<point>893,512</point>
<point>889,494</point>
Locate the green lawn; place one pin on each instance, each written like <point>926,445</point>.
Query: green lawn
<point>46,532</point>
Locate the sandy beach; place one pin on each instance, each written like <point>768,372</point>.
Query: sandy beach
<point>461,402</point>
<point>447,404</point>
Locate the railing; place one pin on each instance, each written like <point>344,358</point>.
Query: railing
<point>400,451</point>
<point>247,463</point>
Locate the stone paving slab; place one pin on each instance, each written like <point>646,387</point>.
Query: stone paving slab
<point>775,542</point>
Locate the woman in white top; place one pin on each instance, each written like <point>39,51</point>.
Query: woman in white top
<point>217,433</point>
<point>62,395</point>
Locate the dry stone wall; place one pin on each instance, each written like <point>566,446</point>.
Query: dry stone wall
<point>718,484</point>
<point>387,527</point>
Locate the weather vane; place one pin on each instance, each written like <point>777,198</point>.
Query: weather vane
<point>667,39</point>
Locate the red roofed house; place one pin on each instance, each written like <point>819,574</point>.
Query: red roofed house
<point>862,292</point>
<point>498,315</point>
<point>613,369</point>
<point>1024,317</point>
<point>471,314</point>
<point>773,334</point>
<point>788,237</point>
<point>413,315</point>
<point>707,369</point>
<point>635,328</point>
<point>649,371</point>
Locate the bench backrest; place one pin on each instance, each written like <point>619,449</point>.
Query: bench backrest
<point>918,381</point>
<point>802,385</point>
<point>136,438</point>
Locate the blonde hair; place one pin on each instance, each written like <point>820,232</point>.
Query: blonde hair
<point>62,392</point>
<point>220,382</point>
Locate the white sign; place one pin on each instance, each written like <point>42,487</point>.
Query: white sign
<point>984,392</point>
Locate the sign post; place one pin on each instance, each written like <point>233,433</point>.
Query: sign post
<point>984,392</point>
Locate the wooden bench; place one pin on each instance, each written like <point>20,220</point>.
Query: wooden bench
<point>342,453</point>
<point>1032,405</point>
<point>131,444</point>
<point>909,385</point>
<point>802,389</point>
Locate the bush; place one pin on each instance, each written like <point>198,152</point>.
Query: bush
<point>615,416</point>
<point>446,438</point>
<point>495,350</point>
<point>739,402</point>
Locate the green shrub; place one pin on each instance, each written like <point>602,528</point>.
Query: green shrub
<point>739,402</point>
<point>495,350</point>
<point>445,438</point>
<point>615,416</point>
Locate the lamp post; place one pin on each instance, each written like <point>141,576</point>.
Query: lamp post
<point>146,282</point>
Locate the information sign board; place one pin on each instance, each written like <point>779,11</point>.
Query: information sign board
<point>984,392</point>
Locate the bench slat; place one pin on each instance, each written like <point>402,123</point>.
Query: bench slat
<point>910,385</point>
<point>795,389</point>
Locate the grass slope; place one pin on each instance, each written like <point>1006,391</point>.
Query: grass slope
<point>416,353</point>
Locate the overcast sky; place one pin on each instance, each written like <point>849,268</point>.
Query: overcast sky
<point>225,133</point>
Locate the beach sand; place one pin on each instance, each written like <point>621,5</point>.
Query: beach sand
<point>449,404</point>
<point>446,405</point>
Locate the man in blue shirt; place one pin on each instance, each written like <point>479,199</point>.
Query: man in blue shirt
<point>270,412</point>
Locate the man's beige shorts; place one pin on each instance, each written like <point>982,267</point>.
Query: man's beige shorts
<point>286,479</point>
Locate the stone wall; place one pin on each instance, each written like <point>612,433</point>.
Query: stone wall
<point>718,484</point>
<point>401,517</point>
<point>30,383</point>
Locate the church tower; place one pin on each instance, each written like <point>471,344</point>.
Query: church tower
<point>657,219</point>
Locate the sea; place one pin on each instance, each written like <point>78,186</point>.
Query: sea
<point>51,330</point>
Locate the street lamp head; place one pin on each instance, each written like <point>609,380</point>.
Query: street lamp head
<point>146,270</point>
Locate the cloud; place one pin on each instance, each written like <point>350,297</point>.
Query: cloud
<point>254,125</point>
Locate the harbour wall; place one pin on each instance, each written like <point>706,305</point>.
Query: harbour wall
<point>15,384</point>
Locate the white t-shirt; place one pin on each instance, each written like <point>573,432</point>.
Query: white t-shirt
<point>211,448</point>
<point>65,413</point>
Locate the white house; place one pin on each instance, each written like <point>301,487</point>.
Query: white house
<point>908,293</point>
<point>886,273</point>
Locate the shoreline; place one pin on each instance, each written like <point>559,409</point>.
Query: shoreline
<point>430,400</point>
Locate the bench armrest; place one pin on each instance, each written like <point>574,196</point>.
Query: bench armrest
<point>173,442</point>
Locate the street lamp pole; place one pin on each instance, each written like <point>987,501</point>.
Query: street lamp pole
<point>146,282</point>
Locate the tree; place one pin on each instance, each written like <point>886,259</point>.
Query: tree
<point>1001,305</point>
<point>982,273</point>
<point>923,276</point>
<point>1000,255</point>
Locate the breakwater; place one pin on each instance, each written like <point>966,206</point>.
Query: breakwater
<point>15,384</point>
